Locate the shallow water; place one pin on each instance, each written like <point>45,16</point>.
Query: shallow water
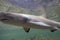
<point>9,32</point>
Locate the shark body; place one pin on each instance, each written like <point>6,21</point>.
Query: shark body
<point>29,21</point>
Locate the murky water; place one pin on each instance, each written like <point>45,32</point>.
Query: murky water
<point>8,32</point>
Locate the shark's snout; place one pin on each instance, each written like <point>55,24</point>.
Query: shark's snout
<point>4,16</point>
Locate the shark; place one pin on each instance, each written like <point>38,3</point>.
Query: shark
<point>28,21</point>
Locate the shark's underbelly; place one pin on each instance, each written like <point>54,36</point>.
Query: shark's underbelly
<point>25,24</point>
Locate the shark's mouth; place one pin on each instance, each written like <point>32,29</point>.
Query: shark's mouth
<point>4,19</point>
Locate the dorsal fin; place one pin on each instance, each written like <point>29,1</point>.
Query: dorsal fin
<point>44,15</point>
<point>43,11</point>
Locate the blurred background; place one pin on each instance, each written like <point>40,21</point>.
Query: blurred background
<point>34,7</point>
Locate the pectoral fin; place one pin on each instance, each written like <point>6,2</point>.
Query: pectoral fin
<point>53,30</point>
<point>27,29</point>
